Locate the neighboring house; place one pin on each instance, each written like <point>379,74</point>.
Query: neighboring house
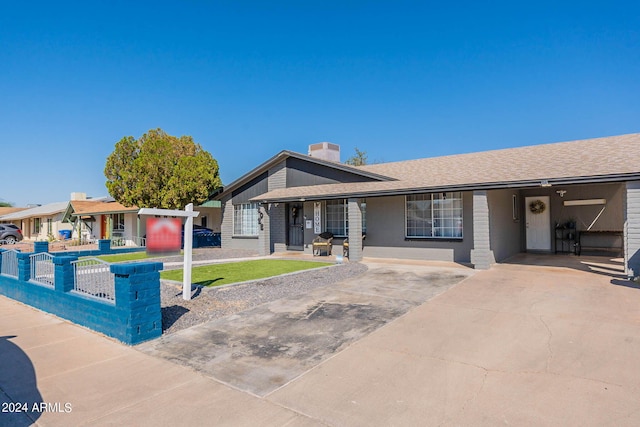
<point>39,223</point>
<point>104,219</point>
<point>93,218</point>
<point>475,208</point>
<point>7,210</point>
<point>210,215</point>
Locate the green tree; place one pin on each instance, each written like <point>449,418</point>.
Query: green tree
<point>5,205</point>
<point>160,171</point>
<point>358,159</point>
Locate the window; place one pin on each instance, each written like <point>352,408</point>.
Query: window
<point>437,215</point>
<point>337,217</point>
<point>118,222</point>
<point>245,219</point>
<point>37,225</point>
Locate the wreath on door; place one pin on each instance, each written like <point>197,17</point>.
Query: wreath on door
<point>537,206</point>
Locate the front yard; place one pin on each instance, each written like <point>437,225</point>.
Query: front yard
<point>234,272</point>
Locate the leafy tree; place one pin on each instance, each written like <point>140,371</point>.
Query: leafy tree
<point>5,204</point>
<point>358,159</point>
<point>161,171</point>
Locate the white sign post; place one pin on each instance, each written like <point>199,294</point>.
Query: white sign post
<point>188,240</point>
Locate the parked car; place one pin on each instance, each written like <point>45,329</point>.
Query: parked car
<point>203,236</point>
<point>10,234</point>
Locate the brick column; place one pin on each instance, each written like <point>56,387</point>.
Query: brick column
<point>631,213</point>
<point>104,245</point>
<point>481,254</point>
<point>264,230</point>
<point>138,297</point>
<point>40,247</point>
<point>355,230</point>
<point>24,266</point>
<point>63,273</point>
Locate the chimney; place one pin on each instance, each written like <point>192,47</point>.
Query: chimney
<point>78,196</point>
<point>325,151</point>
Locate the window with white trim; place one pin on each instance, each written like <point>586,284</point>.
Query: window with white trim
<point>245,219</point>
<point>435,215</point>
<point>118,222</point>
<point>337,217</point>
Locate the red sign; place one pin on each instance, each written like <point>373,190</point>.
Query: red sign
<point>164,235</point>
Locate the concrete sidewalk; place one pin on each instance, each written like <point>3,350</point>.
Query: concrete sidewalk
<point>87,379</point>
<point>517,344</point>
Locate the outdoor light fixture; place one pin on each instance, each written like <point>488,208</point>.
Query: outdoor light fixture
<point>561,193</point>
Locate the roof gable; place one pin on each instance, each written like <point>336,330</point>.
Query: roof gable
<point>283,156</point>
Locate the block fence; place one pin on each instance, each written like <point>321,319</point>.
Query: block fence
<point>135,315</point>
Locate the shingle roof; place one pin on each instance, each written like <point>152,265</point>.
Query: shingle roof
<point>611,158</point>
<point>44,210</point>
<point>7,210</point>
<point>91,207</point>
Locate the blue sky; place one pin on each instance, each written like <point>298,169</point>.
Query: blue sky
<point>399,80</point>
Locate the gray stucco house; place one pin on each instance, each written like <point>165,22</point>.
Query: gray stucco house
<point>476,208</point>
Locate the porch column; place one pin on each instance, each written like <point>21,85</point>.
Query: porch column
<point>355,230</point>
<point>264,230</point>
<point>481,254</point>
<point>631,213</point>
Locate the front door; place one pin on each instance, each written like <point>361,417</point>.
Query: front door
<point>296,227</point>
<point>538,219</point>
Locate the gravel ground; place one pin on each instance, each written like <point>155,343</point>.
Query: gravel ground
<point>212,303</point>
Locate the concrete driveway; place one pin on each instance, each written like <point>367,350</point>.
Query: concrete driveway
<point>515,345</point>
<point>262,349</point>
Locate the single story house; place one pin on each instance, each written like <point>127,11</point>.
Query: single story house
<point>42,222</point>
<point>476,208</point>
<point>107,219</point>
<point>7,210</point>
<point>103,218</point>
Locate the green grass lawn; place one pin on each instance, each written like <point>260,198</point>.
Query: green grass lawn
<point>132,256</point>
<point>233,272</point>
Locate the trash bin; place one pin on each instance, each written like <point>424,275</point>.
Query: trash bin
<point>65,234</point>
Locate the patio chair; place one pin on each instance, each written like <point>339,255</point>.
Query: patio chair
<point>345,245</point>
<point>323,242</point>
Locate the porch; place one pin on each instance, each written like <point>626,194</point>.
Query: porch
<point>479,227</point>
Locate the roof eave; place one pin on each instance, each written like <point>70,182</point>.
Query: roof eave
<point>128,210</point>
<point>600,179</point>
